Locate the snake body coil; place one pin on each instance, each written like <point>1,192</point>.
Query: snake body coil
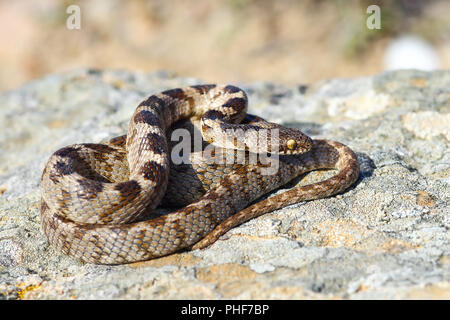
<point>94,197</point>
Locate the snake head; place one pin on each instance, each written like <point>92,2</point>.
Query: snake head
<point>279,139</point>
<point>293,141</point>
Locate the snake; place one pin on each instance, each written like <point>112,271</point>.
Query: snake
<point>98,200</point>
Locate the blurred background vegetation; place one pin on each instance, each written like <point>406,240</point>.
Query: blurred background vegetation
<point>286,41</point>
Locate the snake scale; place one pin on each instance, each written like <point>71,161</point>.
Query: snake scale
<point>96,199</point>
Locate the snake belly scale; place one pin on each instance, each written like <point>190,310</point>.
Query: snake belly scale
<point>95,197</point>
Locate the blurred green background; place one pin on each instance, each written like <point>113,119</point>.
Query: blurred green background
<point>284,41</point>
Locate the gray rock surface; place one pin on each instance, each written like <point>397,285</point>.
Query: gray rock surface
<point>385,238</point>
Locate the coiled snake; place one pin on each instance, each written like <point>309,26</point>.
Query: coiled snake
<point>95,197</point>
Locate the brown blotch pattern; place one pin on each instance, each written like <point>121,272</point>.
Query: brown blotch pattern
<point>231,89</point>
<point>66,152</point>
<point>175,94</point>
<point>89,188</point>
<point>213,115</point>
<point>118,141</point>
<point>102,148</point>
<point>62,168</point>
<point>146,116</point>
<point>157,142</point>
<point>204,88</point>
<point>128,189</point>
<point>152,170</point>
<point>152,101</point>
<point>237,104</point>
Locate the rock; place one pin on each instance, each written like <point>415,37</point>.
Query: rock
<point>385,238</point>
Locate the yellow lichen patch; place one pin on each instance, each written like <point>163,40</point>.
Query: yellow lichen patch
<point>341,233</point>
<point>424,199</point>
<point>395,246</point>
<point>292,292</point>
<point>23,289</point>
<point>55,124</point>
<point>225,273</point>
<point>406,197</point>
<point>231,279</point>
<point>439,291</point>
<point>445,259</point>
<point>182,260</point>
<point>418,82</point>
<point>362,287</point>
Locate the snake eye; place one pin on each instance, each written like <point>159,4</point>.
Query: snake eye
<point>291,144</point>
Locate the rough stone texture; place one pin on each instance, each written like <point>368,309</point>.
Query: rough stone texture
<point>386,238</point>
